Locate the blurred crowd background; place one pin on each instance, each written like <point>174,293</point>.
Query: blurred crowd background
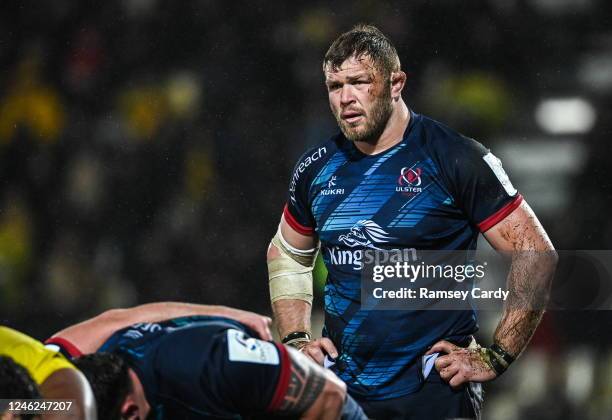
<point>146,148</point>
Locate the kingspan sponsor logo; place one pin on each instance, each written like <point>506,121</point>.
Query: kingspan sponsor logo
<point>367,235</point>
<point>316,155</point>
<point>357,258</point>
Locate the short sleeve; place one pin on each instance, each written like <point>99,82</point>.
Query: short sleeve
<point>297,210</point>
<point>250,375</point>
<point>222,370</point>
<point>478,182</point>
<point>63,346</point>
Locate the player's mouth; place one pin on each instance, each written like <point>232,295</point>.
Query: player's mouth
<point>351,117</point>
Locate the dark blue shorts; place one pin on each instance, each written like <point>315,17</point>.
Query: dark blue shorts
<point>436,400</point>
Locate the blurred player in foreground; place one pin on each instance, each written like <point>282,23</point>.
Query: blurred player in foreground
<point>56,377</point>
<point>395,180</point>
<point>15,384</point>
<point>175,360</point>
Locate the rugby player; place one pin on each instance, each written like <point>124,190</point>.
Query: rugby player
<point>175,360</point>
<point>56,377</point>
<point>393,179</point>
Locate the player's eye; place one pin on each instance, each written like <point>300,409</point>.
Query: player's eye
<point>333,86</point>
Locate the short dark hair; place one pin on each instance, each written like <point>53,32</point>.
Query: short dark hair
<point>108,376</point>
<point>361,41</point>
<point>16,383</point>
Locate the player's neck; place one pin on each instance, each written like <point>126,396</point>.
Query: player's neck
<point>393,132</point>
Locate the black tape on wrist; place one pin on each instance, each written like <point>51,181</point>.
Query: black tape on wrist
<point>501,353</point>
<point>296,336</point>
<point>496,364</point>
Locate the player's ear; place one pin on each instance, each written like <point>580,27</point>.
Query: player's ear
<point>398,80</point>
<point>130,410</point>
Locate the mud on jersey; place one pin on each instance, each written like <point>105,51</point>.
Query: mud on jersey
<point>435,190</point>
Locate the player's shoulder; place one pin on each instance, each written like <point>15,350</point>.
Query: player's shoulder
<point>321,151</point>
<point>40,361</point>
<point>315,157</point>
<point>444,141</point>
<point>13,341</point>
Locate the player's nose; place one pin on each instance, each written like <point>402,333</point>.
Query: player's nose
<point>346,95</point>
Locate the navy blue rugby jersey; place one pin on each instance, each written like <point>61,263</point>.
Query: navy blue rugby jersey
<point>201,367</point>
<point>435,190</point>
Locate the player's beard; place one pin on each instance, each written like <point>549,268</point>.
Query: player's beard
<point>375,124</point>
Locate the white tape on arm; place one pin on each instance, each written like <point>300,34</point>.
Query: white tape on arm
<point>290,273</point>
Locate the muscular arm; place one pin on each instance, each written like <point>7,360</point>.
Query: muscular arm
<point>89,335</point>
<point>533,265</point>
<point>314,392</point>
<point>291,314</point>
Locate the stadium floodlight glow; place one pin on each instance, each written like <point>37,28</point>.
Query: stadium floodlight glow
<point>565,116</point>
